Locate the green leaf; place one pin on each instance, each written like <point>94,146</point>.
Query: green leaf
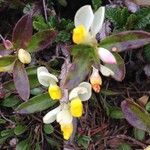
<point>41,40</point>
<point>139,134</point>
<point>10,101</point>
<point>96,4</point>
<point>118,16</point>
<point>62,2</point>
<point>24,145</point>
<point>143,18</point>
<point>125,41</point>
<point>84,141</point>
<point>36,104</point>
<point>7,133</point>
<point>147,52</point>
<point>109,92</point>
<point>20,129</point>
<point>37,146</point>
<point>83,58</point>
<point>53,144</point>
<point>2,121</point>
<point>124,146</point>
<point>48,128</point>
<point>136,115</point>
<point>115,112</point>
<point>7,60</point>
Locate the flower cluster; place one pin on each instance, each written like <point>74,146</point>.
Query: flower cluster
<point>87,25</point>
<point>68,109</point>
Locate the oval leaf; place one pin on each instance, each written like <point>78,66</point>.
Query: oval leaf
<point>36,104</point>
<point>126,40</point>
<point>22,32</point>
<point>6,60</point>
<point>136,115</point>
<point>118,68</point>
<point>41,40</point>
<point>21,81</point>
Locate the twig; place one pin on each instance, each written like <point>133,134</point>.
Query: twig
<point>44,7</point>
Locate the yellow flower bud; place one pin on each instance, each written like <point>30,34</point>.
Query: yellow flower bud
<point>76,107</point>
<point>24,56</point>
<point>96,80</point>
<point>67,130</point>
<point>55,92</point>
<point>79,34</point>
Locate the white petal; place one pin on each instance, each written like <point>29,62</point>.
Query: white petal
<point>45,78</point>
<point>51,116</point>
<point>106,56</point>
<point>64,117</point>
<point>84,16</point>
<point>98,21</point>
<point>83,91</point>
<point>106,71</point>
<point>87,95</point>
<point>41,69</point>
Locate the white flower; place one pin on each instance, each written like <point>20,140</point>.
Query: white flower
<point>87,25</point>
<point>49,80</point>
<point>83,91</point>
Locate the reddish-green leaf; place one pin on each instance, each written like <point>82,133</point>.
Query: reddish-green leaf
<point>126,40</point>
<point>118,68</point>
<point>83,58</point>
<point>41,40</point>
<point>136,115</point>
<point>21,80</point>
<point>22,32</point>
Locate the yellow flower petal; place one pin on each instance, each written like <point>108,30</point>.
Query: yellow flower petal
<point>67,130</point>
<point>79,34</point>
<point>76,107</point>
<point>55,92</point>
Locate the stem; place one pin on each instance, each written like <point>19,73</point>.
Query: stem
<point>44,7</point>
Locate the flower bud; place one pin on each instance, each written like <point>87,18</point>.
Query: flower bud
<point>8,44</point>
<point>24,56</point>
<point>55,92</point>
<point>96,80</point>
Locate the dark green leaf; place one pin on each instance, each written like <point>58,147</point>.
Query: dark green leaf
<point>41,40</point>
<point>21,80</point>
<point>48,128</point>
<point>124,146</point>
<point>36,104</point>
<point>7,132</point>
<point>22,32</point>
<point>139,134</point>
<point>126,40</point>
<point>20,129</point>
<point>109,92</point>
<point>115,112</point>
<point>136,115</point>
<point>2,121</point>
<point>62,2</point>
<point>24,145</point>
<point>10,101</point>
